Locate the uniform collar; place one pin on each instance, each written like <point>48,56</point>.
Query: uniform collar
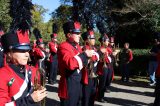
<point>17,69</point>
<point>72,43</point>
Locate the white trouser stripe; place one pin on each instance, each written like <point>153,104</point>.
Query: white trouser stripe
<point>79,62</point>
<point>23,87</point>
<point>10,104</point>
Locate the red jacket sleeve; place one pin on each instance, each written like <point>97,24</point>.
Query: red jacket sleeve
<point>130,55</point>
<point>52,48</point>
<point>70,59</point>
<point>38,53</point>
<point>4,95</point>
<point>95,56</point>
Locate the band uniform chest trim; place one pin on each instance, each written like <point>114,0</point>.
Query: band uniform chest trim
<point>55,47</point>
<point>79,61</point>
<point>10,104</point>
<point>22,88</point>
<point>41,60</point>
<point>97,55</point>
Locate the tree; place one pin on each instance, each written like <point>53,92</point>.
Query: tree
<point>62,14</point>
<point>126,19</point>
<point>4,16</point>
<point>136,20</point>
<point>38,20</point>
<point>37,15</point>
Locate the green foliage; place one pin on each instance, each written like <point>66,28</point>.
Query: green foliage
<point>38,22</point>
<point>4,16</point>
<point>137,19</point>
<point>37,16</point>
<point>139,65</point>
<point>134,19</point>
<point>61,15</point>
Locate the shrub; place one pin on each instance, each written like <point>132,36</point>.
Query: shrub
<point>139,65</point>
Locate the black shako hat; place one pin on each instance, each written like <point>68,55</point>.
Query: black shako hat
<point>38,36</point>
<point>54,31</point>
<point>88,35</point>
<point>39,41</point>
<point>71,27</point>
<point>104,38</point>
<point>16,41</point>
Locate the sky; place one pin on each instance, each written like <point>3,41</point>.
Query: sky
<point>51,5</point>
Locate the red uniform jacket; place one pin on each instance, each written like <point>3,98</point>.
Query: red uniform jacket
<point>68,59</point>
<point>53,49</point>
<point>95,59</point>
<point>125,56</point>
<point>107,58</point>
<point>9,94</point>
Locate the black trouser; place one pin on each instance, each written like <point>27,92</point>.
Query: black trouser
<point>104,81</point>
<point>124,68</point>
<point>89,92</point>
<point>53,69</point>
<point>1,59</point>
<point>74,92</point>
<point>109,77</point>
<point>157,92</point>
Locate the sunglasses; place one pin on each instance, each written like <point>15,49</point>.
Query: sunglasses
<point>77,33</point>
<point>21,51</point>
<point>91,38</point>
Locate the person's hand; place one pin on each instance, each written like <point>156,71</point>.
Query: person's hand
<point>103,50</point>
<point>89,53</point>
<point>127,62</point>
<point>38,95</point>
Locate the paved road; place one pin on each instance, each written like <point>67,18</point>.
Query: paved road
<point>133,93</point>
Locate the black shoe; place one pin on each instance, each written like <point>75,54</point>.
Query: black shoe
<point>50,82</point>
<point>108,91</point>
<point>122,79</point>
<point>54,82</point>
<point>102,100</point>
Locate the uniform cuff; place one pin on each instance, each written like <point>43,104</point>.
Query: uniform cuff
<point>30,99</point>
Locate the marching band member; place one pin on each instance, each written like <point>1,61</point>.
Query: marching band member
<point>53,45</point>
<point>39,50</point>
<point>71,60</point>
<point>89,76</point>
<point>17,78</point>
<point>104,71</point>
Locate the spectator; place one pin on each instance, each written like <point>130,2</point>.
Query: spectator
<point>153,62</point>
<point>125,57</point>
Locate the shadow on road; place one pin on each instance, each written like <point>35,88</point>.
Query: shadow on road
<point>134,83</point>
<point>114,89</point>
<point>124,102</point>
